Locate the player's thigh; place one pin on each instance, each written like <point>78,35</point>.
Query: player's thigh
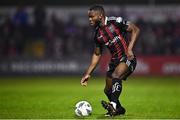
<point>120,70</point>
<point>108,84</point>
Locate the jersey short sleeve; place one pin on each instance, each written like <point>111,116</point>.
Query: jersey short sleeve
<point>123,24</point>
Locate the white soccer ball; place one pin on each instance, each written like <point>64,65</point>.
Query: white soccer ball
<point>83,108</point>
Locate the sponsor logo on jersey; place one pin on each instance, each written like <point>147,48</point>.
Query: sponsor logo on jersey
<point>110,42</point>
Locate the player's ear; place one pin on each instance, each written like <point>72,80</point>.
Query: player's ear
<point>100,16</point>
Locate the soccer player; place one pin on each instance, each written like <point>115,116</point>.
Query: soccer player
<point>111,32</point>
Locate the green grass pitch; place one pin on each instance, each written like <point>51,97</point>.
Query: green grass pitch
<point>55,97</point>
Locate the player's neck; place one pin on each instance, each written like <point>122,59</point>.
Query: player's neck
<point>102,22</point>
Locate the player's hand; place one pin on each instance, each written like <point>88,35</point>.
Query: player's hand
<point>84,80</point>
<point>130,55</point>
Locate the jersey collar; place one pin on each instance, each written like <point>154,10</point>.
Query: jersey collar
<point>105,23</point>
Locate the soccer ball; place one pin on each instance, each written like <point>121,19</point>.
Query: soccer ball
<point>83,108</point>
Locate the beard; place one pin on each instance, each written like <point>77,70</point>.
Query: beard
<point>98,23</point>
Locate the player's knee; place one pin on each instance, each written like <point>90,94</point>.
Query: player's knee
<point>115,75</point>
<point>123,77</point>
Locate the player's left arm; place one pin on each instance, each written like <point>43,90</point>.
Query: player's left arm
<point>134,30</point>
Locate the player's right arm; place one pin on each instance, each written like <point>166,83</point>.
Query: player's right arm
<point>94,61</point>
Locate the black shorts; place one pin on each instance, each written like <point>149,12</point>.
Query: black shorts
<point>115,62</point>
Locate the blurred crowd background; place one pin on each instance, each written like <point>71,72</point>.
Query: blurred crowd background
<point>58,38</point>
<point>40,32</point>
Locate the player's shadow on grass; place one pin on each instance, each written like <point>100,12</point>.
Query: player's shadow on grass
<point>103,117</point>
<point>76,117</point>
<point>92,117</point>
<point>115,117</point>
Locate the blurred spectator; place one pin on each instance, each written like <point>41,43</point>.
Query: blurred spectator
<point>6,34</point>
<point>176,39</point>
<point>39,14</point>
<point>20,17</point>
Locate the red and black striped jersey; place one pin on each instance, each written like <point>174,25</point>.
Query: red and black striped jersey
<point>112,35</point>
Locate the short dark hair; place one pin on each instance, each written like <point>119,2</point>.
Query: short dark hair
<point>97,8</point>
